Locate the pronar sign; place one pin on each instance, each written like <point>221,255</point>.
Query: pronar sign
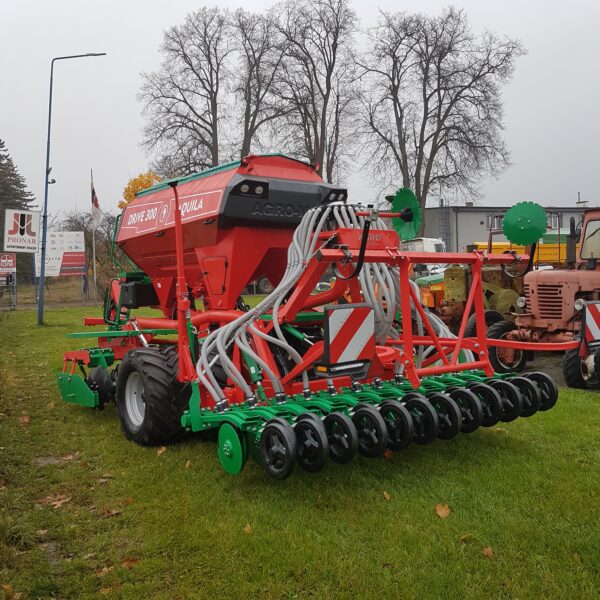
<point>21,230</point>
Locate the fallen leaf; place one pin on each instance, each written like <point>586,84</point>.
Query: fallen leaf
<point>500,430</point>
<point>161,450</point>
<point>488,552</point>
<point>129,501</point>
<point>386,496</point>
<point>25,420</point>
<point>41,532</point>
<point>247,528</point>
<point>88,556</point>
<point>188,464</point>
<point>67,457</point>
<point>388,453</point>
<point>60,500</point>
<point>106,511</point>
<point>56,501</point>
<point>104,480</point>
<point>103,571</point>
<point>8,591</point>
<point>129,562</point>
<point>442,511</point>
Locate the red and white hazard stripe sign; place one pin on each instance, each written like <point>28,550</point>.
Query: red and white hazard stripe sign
<point>592,322</point>
<point>351,333</point>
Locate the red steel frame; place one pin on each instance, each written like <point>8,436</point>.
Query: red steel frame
<point>382,248</point>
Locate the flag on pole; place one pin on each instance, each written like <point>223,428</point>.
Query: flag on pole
<point>96,212</point>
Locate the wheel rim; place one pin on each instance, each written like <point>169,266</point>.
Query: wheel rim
<point>372,433</point>
<point>399,424</point>
<point>500,352</point>
<point>311,444</point>
<point>425,421</point>
<point>134,399</point>
<point>278,449</point>
<point>342,437</point>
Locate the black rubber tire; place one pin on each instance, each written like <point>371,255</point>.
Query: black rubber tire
<point>470,408</point>
<point>342,437</point>
<point>572,370</point>
<point>399,424</point>
<point>491,403</point>
<point>491,317</point>
<point>371,429</point>
<point>512,399</point>
<point>277,448</point>
<point>100,380</point>
<point>312,447</point>
<point>163,407</point>
<point>425,419</point>
<point>532,397</point>
<point>498,331</point>
<point>548,389</point>
<point>449,415</point>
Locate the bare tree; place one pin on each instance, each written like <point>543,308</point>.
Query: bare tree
<point>183,101</point>
<point>432,101</point>
<point>316,78</point>
<point>260,58</point>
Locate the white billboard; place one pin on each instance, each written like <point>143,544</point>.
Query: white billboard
<point>65,254</point>
<point>21,230</point>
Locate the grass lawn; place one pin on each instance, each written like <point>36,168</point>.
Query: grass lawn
<point>87,514</point>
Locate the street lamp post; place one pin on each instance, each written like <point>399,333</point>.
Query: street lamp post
<point>46,182</point>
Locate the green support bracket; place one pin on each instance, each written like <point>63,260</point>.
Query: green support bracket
<point>75,390</point>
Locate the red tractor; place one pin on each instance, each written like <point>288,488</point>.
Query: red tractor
<point>558,305</point>
<point>301,376</point>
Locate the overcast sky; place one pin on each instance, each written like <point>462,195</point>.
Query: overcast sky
<point>552,105</point>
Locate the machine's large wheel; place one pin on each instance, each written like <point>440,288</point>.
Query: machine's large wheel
<point>572,370</point>
<point>449,415</point>
<point>399,424</point>
<point>491,402</point>
<point>148,406</point>
<point>491,317</point>
<point>548,389</point>
<point>532,397</point>
<point>512,400</point>
<point>505,360</point>
<point>312,447</point>
<point>277,448</point>
<point>470,408</point>
<point>425,418</point>
<point>342,437</point>
<point>371,429</point>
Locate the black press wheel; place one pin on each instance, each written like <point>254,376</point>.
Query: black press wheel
<point>548,389</point>
<point>342,437</point>
<point>100,380</point>
<point>532,398</point>
<point>491,403</point>
<point>399,424</point>
<point>448,413</point>
<point>470,408</point>
<point>277,448</point>
<point>505,360</point>
<point>512,400</point>
<point>371,429</point>
<point>148,405</point>
<point>425,419</point>
<point>312,447</point>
